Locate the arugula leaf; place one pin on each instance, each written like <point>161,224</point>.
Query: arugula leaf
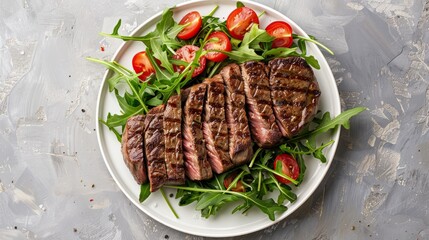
<point>256,36</point>
<point>210,199</point>
<point>280,173</point>
<point>327,123</point>
<point>144,192</point>
<point>164,27</point>
<point>251,41</point>
<point>280,52</point>
<point>269,207</point>
<point>116,28</point>
<point>243,54</point>
<point>289,195</point>
<point>239,4</point>
<point>125,74</point>
<point>312,61</point>
<point>155,101</point>
<point>313,40</point>
<point>124,102</point>
<point>158,53</point>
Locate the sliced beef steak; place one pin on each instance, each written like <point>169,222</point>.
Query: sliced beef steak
<point>215,128</point>
<point>263,126</point>
<point>154,147</point>
<point>240,143</point>
<point>173,141</point>
<point>294,92</point>
<point>132,148</point>
<point>196,164</point>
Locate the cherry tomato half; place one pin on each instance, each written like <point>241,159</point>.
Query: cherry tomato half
<point>289,167</point>
<point>240,21</point>
<point>282,31</point>
<point>217,41</point>
<point>228,180</point>
<point>141,64</point>
<point>187,54</point>
<point>195,22</point>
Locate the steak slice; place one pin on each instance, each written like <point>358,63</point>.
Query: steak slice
<point>240,143</point>
<point>215,129</point>
<point>295,93</point>
<point>263,126</point>
<point>196,164</point>
<point>132,148</point>
<point>154,147</point>
<point>173,141</point>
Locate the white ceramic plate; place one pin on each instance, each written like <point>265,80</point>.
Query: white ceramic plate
<point>224,224</point>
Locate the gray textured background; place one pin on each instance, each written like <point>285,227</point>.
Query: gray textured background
<point>53,181</point>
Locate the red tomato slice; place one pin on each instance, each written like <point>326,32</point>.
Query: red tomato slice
<point>141,64</point>
<point>187,54</point>
<point>195,22</point>
<point>289,167</point>
<point>228,180</point>
<point>217,41</point>
<point>282,31</point>
<point>240,20</point>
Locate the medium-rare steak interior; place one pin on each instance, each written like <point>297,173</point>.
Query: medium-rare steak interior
<point>211,126</point>
<point>294,92</point>
<point>240,143</point>
<point>154,147</point>
<point>173,141</point>
<point>215,128</point>
<point>132,148</point>
<point>263,126</point>
<point>194,149</point>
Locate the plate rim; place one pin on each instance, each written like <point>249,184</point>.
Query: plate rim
<point>117,55</point>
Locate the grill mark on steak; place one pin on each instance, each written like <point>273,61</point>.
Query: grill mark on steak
<point>294,92</point>
<point>240,145</point>
<point>172,120</point>
<point>290,103</point>
<point>263,126</point>
<point>258,86</point>
<point>196,164</point>
<point>173,141</point>
<point>133,148</point>
<point>215,128</point>
<point>154,147</point>
<point>288,75</point>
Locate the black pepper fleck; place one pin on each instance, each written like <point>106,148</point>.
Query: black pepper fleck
<point>171,195</point>
<point>74,229</point>
<point>166,237</point>
<point>93,185</point>
<point>15,227</point>
<point>83,110</point>
<point>69,75</point>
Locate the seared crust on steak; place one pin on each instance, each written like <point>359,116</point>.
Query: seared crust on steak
<point>263,126</point>
<point>194,149</point>
<point>294,92</point>
<point>240,143</point>
<point>154,147</point>
<point>132,148</point>
<point>215,128</point>
<point>173,141</point>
